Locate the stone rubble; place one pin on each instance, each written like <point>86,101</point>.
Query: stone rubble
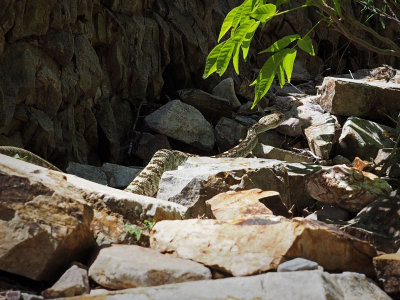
<point>303,213</point>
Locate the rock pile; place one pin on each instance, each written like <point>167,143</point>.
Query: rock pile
<point>286,223</point>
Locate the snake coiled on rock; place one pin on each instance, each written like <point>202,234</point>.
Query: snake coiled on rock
<point>147,182</point>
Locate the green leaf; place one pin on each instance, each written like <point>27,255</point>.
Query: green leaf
<point>337,7</point>
<point>211,62</point>
<point>267,75</point>
<point>306,45</point>
<point>242,13</point>
<point>149,224</point>
<point>281,44</point>
<point>247,39</point>
<point>264,12</point>
<point>134,231</point>
<point>225,55</point>
<point>232,47</point>
<point>227,24</point>
<point>288,62</point>
<point>281,75</point>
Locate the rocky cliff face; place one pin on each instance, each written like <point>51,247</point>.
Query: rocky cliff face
<point>73,72</point>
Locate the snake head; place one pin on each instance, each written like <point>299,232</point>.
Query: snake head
<point>272,120</point>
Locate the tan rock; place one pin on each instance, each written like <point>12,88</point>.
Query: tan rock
<point>310,285</point>
<point>73,282</point>
<point>346,187</point>
<point>350,97</point>
<point>238,205</point>
<point>251,246</point>
<point>127,266</point>
<point>45,223</point>
<point>387,268</point>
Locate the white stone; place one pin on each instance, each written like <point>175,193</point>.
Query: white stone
<point>127,266</point>
<point>310,285</point>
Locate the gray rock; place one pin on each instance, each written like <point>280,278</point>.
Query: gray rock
<point>226,89</point>
<point>297,264</point>
<point>201,178</point>
<point>310,285</point>
<point>247,121</point>
<point>127,266</point>
<point>270,152</point>
<point>211,106</point>
<point>270,138</point>
<point>228,133</point>
<point>341,160</point>
<point>119,176</point>
<point>149,144</point>
<point>379,223</point>
<point>363,138</point>
<point>73,282</point>
<point>92,173</point>
<point>182,122</point>
<point>291,127</point>
<point>358,98</point>
<point>321,134</point>
<point>332,213</point>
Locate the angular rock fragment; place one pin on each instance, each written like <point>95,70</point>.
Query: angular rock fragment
<point>73,282</point>
<point>387,269</point>
<point>182,122</point>
<point>321,135</point>
<point>119,176</point>
<point>297,264</point>
<point>88,172</point>
<point>211,106</point>
<point>379,223</point>
<point>270,152</point>
<point>359,98</point>
<point>346,187</point>
<point>310,285</point>
<point>44,221</point>
<point>364,138</point>
<point>127,266</point>
<point>201,178</point>
<point>237,205</point>
<point>250,246</point>
<point>149,144</point>
<point>226,89</point>
<point>228,133</point>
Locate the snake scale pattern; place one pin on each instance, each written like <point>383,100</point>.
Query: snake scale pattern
<point>147,182</point>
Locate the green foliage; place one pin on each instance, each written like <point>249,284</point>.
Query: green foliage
<point>241,23</point>
<point>137,231</point>
<point>134,231</point>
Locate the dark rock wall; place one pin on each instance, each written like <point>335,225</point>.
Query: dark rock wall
<point>73,72</point>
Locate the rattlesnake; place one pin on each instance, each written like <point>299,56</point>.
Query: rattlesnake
<point>146,183</point>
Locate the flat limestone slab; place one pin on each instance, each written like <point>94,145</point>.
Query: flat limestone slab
<point>358,98</point>
<point>250,246</point>
<point>310,285</point>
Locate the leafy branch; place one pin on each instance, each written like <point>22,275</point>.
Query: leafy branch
<point>243,21</point>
